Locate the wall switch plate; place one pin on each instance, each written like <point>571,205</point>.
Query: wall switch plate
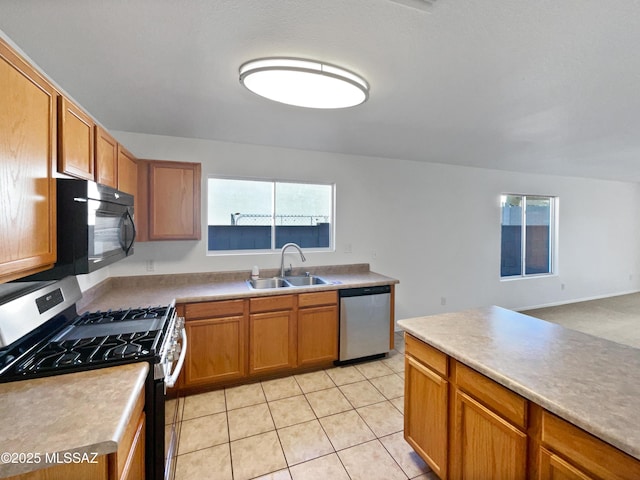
<point>150,265</point>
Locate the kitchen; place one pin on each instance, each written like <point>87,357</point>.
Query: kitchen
<point>416,221</point>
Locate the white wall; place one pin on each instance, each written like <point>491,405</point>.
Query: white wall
<point>434,227</point>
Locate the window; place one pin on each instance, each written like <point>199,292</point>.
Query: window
<point>528,235</point>
<point>265,215</point>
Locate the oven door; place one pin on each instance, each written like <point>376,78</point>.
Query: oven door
<point>111,233</point>
<point>172,360</point>
<point>173,407</point>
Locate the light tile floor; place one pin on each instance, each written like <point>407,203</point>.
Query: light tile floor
<point>344,423</point>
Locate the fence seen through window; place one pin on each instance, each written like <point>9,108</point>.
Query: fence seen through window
<point>528,235</point>
<point>265,215</point>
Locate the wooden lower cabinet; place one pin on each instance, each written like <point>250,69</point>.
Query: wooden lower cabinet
<point>133,468</point>
<point>271,342</point>
<point>553,467</point>
<point>232,341</point>
<point>216,333</point>
<point>216,350</point>
<point>484,444</point>
<point>467,426</point>
<point>317,328</point>
<point>127,463</point>
<point>425,414</point>
<point>569,452</point>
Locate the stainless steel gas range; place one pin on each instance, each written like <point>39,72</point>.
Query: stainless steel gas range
<point>41,334</point>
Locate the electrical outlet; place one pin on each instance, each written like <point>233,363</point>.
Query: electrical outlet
<point>150,265</point>
<point>562,286</point>
<point>374,254</point>
<point>347,248</point>
<point>443,300</point>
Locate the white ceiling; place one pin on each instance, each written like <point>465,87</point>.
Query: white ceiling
<point>549,86</point>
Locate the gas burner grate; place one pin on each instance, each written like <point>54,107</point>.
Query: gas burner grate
<point>97,318</point>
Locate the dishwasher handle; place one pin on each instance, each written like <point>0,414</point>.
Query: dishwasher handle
<point>358,292</point>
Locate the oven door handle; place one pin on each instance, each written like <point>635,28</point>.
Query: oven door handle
<point>171,380</point>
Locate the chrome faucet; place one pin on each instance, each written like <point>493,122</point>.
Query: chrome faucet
<point>284,247</point>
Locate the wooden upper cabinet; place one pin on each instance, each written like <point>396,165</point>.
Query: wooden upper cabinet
<point>174,201</point>
<point>27,157</point>
<point>106,158</point>
<point>76,141</point>
<point>127,172</point>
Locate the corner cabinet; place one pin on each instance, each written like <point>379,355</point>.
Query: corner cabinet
<point>27,159</point>
<point>169,200</point>
<point>465,425</point>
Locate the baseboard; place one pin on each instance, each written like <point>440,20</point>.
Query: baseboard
<point>575,300</point>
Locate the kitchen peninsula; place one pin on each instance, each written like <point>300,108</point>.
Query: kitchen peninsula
<point>526,398</point>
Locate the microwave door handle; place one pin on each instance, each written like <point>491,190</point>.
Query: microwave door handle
<point>126,216</point>
<point>133,228</point>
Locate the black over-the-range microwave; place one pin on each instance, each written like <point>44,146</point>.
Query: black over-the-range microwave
<point>95,228</point>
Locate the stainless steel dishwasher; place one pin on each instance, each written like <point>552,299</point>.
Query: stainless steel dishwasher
<point>365,314</point>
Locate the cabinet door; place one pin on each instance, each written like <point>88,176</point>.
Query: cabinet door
<point>106,158</point>
<point>272,341</point>
<point>216,350</point>
<point>134,466</point>
<point>484,444</point>
<point>127,172</point>
<point>317,335</point>
<point>27,156</point>
<point>75,141</point>
<point>425,414</point>
<point>174,201</point>
<point>552,467</point>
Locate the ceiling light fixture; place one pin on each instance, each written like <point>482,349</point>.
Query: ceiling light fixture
<point>304,83</point>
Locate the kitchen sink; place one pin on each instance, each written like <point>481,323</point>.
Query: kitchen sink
<point>290,281</point>
<point>275,282</point>
<point>305,280</point>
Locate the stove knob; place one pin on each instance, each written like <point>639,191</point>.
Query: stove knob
<point>171,354</point>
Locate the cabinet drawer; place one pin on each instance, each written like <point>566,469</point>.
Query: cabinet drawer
<point>317,298</point>
<point>267,304</point>
<point>428,355</point>
<point>585,450</point>
<point>501,400</point>
<point>214,309</point>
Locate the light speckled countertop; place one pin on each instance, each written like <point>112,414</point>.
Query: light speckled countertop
<point>125,292</point>
<point>82,412</point>
<point>589,381</point>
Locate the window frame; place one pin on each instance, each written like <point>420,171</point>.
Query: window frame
<point>274,249</point>
<point>553,238</point>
